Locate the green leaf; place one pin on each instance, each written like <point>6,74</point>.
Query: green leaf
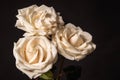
<point>47,76</point>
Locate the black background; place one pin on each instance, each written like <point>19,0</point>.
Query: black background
<point>101,18</point>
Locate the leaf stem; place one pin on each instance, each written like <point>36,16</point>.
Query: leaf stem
<point>60,69</point>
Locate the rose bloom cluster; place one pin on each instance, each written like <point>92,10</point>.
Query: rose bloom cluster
<point>45,37</point>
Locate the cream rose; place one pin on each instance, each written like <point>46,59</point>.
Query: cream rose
<point>36,20</point>
<point>73,43</point>
<point>34,55</point>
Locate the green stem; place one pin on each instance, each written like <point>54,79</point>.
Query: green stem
<point>60,69</point>
<point>35,78</point>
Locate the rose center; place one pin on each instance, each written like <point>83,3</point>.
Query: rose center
<point>76,40</point>
<point>32,57</point>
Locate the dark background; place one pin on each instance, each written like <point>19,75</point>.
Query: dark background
<point>101,18</point>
